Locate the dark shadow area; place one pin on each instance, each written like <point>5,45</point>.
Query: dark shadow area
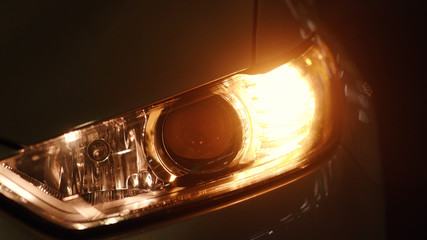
<point>385,39</point>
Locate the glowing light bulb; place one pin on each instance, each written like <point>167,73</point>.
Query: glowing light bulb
<point>281,107</point>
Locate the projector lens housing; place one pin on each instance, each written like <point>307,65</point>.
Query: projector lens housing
<point>202,136</point>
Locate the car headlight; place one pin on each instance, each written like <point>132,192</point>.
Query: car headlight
<point>219,139</point>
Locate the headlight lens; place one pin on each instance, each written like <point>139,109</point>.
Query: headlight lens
<point>214,140</point>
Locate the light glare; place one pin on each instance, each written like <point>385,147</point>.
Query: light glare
<point>281,106</point>
<point>72,136</point>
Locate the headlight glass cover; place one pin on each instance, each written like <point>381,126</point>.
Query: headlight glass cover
<point>217,139</point>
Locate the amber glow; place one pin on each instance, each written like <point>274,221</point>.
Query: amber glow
<point>72,136</point>
<point>238,132</point>
<point>280,106</point>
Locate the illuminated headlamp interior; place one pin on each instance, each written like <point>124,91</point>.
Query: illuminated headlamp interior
<point>217,139</point>
<point>280,105</point>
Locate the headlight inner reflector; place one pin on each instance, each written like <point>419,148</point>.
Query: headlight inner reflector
<point>281,106</point>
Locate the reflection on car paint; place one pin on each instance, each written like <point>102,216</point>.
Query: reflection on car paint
<point>320,191</point>
<point>358,98</point>
<point>363,116</point>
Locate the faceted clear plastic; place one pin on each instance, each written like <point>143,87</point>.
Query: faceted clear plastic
<point>127,167</point>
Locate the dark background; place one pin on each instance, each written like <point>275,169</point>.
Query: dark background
<point>386,41</point>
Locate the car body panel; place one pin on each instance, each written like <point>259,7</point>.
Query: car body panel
<point>67,65</point>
